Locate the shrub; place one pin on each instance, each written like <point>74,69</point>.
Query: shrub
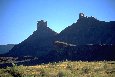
<point>65,73</point>
<point>85,70</point>
<point>15,71</point>
<point>43,72</point>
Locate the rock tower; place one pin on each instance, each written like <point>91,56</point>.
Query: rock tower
<point>41,24</point>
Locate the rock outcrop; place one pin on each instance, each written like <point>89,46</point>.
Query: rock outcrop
<point>89,30</point>
<point>37,44</point>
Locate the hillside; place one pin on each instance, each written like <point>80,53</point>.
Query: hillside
<point>62,69</point>
<point>89,30</point>
<point>5,48</point>
<point>37,44</point>
<point>64,51</point>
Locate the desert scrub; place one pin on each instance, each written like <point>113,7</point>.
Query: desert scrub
<point>43,72</point>
<point>3,73</point>
<point>15,71</point>
<point>62,69</point>
<point>65,73</point>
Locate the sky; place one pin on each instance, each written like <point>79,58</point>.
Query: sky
<point>18,18</point>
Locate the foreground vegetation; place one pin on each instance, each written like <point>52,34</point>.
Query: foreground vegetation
<point>62,69</point>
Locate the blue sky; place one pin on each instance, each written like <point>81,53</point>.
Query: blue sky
<point>18,18</point>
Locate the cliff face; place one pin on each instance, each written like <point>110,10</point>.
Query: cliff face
<point>81,52</point>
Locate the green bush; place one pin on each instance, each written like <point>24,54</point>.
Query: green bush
<point>15,71</point>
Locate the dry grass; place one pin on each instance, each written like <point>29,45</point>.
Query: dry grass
<point>63,69</point>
